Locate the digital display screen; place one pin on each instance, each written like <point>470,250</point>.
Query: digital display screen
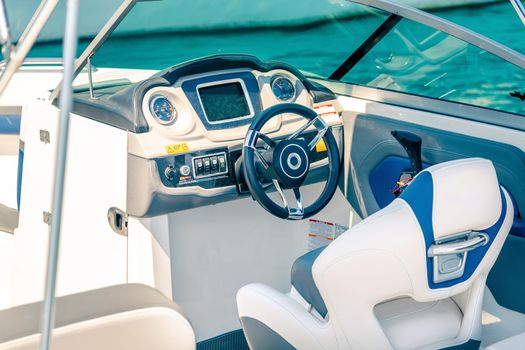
<point>224,101</point>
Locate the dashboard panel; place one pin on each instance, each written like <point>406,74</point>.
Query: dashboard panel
<point>186,126</point>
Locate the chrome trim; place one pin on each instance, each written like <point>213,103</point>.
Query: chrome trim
<point>173,117</point>
<point>261,158</point>
<point>448,27</point>
<point>250,140</point>
<point>26,41</point>
<point>47,319</point>
<point>97,42</point>
<point>520,10</point>
<point>303,128</point>
<point>281,76</point>
<point>293,213</point>
<point>321,131</point>
<point>297,213</point>
<point>474,241</point>
<point>5,32</point>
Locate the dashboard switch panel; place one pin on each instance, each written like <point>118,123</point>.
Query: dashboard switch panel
<point>213,165</point>
<point>206,169</point>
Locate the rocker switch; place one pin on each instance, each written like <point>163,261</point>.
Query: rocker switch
<point>222,163</point>
<point>207,166</point>
<point>199,167</point>
<point>214,165</point>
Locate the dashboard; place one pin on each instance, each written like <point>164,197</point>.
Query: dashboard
<point>186,126</point>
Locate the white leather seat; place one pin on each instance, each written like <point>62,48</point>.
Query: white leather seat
<point>130,317</point>
<point>375,286</point>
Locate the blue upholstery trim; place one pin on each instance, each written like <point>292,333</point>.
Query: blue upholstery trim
<point>419,196</point>
<point>10,124</point>
<point>470,345</point>
<point>384,177</point>
<point>303,280</point>
<point>518,227</point>
<point>19,177</point>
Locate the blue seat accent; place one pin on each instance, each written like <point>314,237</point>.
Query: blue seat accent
<point>470,345</point>
<point>10,124</point>
<point>385,175</point>
<point>303,280</point>
<point>419,196</point>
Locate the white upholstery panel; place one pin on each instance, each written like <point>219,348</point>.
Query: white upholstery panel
<point>127,316</point>
<point>466,196</point>
<point>412,325</point>
<point>374,278</point>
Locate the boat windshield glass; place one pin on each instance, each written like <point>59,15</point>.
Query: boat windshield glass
<point>419,60</point>
<point>315,37</point>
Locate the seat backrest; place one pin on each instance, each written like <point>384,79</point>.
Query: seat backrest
<point>130,317</point>
<point>386,256</point>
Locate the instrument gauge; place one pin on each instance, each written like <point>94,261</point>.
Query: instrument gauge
<point>282,88</point>
<point>162,109</point>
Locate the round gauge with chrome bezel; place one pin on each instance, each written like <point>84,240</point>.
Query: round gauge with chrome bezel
<point>282,88</point>
<point>162,109</point>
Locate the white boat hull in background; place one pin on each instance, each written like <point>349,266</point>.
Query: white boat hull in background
<point>200,14</point>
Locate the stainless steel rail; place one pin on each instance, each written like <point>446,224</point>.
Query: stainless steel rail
<point>47,319</point>
<point>16,54</point>
<point>520,10</point>
<point>97,42</point>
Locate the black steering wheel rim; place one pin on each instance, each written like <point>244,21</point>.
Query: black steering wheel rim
<point>250,169</point>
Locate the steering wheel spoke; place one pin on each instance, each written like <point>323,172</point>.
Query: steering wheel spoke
<point>319,124</point>
<point>294,213</point>
<point>267,140</point>
<point>262,159</point>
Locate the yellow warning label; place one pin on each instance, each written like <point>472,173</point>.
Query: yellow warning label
<point>177,148</point>
<point>321,146</point>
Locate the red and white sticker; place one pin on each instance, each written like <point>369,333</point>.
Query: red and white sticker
<point>321,233</point>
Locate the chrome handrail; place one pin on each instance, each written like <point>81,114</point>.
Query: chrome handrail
<point>47,319</point>
<point>17,53</point>
<point>520,10</point>
<point>5,31</point>
<point>97,42</point>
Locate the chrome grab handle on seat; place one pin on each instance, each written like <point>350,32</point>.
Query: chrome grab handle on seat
<point>476,240</point>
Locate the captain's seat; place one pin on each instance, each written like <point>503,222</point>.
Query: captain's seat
<point>129,316</point>
<point>410,276</point>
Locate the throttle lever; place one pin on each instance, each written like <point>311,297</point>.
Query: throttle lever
<point>412,145</point>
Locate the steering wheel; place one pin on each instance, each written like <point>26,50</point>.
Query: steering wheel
<point>286,162</point>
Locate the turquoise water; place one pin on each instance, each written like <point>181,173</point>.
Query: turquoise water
<point>319,48</point>
<point>329,42</point>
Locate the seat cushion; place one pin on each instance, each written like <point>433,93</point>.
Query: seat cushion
<point>121,316</point>
<point>516,342</point>
<point>410,325</point>
<point>303,280</point>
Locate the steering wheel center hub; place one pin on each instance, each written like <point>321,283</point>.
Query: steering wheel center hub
<point>291,162</point>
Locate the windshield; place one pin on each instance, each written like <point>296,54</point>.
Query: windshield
<point>317,38</point>
<point>314,39</point>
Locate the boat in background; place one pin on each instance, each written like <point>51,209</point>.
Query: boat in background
<point>222,15</point>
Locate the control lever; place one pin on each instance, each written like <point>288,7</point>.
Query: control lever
<point>412,145</point>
